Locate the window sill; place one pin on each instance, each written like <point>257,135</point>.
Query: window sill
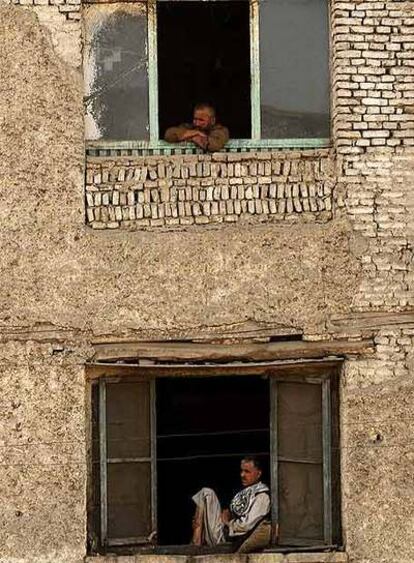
<point>147,148</point>
<point>303,557</point>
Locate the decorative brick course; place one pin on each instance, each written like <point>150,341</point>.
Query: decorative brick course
<point>202,189</point>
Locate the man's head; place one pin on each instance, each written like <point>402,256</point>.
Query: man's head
<point>250,471</point>
<point>204,117</point>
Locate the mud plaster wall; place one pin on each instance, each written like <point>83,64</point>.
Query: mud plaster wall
<point>55,271</point>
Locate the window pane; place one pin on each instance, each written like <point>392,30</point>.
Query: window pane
<point>128,420</point>
<point>129,494</point>
<point>116,75</point>
<point>300,503</point>
<point>300,466</point>
<point>300,421</point>
<point>294,68</point>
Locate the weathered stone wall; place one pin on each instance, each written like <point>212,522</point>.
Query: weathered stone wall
<point>42,453</point>
<point>378,450</point>
<point>64,284</point>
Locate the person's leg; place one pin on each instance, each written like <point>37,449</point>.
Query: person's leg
<point>197,538</point>
<point>258,539</point>
<point>207,522</point>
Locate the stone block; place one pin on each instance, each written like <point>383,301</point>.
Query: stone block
<point>317,558</point>
<point>266,558</point>
<point>221,558</point>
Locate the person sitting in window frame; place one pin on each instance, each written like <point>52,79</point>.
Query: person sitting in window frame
<point>246,523</point>
<point>204,131</point>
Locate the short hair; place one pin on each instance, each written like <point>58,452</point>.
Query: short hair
<point>205,105</point>
<point>253,459</point>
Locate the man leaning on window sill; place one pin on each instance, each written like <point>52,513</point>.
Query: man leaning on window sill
<point>203,132</point>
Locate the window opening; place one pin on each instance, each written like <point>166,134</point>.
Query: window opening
<point>204,427</point>
<point>156,442</point>
<point>263,65</point>
<point>204,56</point>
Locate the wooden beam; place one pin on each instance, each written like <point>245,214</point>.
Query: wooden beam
<point>287,368</point>
<point>188,352</point>
<point>242,330</point>
<point>371,320</point>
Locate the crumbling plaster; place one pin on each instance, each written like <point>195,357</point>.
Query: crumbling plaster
<point>56,271</point>
<point>377,453</point>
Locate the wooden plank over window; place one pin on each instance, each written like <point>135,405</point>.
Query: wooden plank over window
<point>186,352</point>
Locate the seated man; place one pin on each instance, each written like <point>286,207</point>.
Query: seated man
<point>249,510</point>
<point>203,132</point>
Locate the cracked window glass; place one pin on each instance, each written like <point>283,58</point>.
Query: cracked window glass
<point>294,69</point>
<point>116,76</point>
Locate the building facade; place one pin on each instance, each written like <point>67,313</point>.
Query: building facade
<point>125,258</point>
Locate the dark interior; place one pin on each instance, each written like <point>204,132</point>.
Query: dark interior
<point>204,427</point>
<point>204,56</point>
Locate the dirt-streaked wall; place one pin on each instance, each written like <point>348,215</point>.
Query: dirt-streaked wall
<point>63,284</point>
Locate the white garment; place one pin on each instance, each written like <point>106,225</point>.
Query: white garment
<point>248,507</point>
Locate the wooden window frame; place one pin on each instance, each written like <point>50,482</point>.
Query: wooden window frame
<point>322,372</point>
<point>105,460</point>
<point>155,145</point>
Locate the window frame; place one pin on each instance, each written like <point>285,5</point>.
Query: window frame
<point>104,460</point>
<point>325,381</point>
<point>324,373</point>
<point>155,145</point>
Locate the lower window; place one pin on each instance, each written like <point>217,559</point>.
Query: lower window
<point>156,441</point>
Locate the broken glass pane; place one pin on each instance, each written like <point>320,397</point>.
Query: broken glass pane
<point>116,76</point>
<point>294,69</point>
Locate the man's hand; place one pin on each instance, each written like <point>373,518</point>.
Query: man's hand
<point>200,139</point>
<point>196,136</point>
<point>189,134</point>
<point>226,516</point>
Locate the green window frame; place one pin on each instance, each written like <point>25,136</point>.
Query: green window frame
<point>155,145</point>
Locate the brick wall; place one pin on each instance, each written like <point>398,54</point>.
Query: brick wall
<point>202,189</point>
<point>373,135</point>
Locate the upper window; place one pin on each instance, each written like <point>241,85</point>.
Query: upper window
<point>157,441</point>
<point>262,64</point>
